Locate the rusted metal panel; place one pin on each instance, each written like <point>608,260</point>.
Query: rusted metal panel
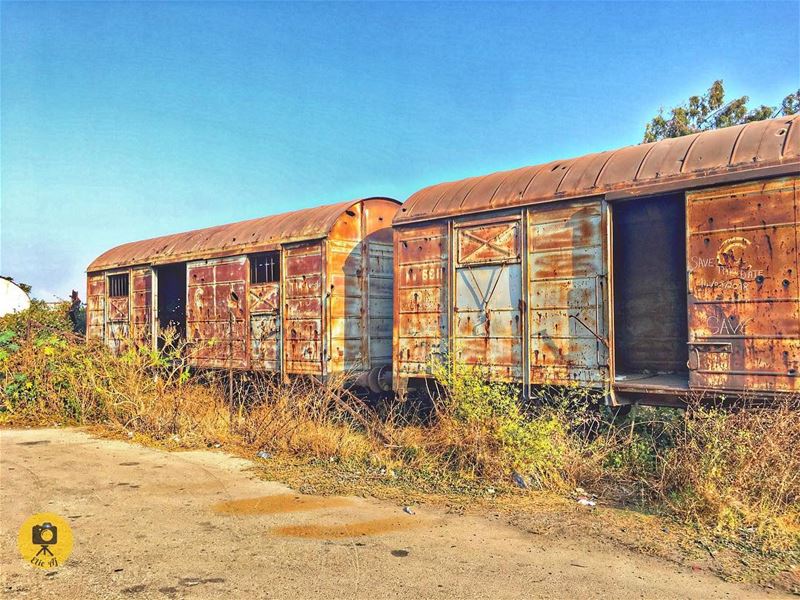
<point>265,334</point>
<point>744,296</point>
<point>381,277</point>
<point>245,237</point>
<point>498,242</point>
<point>95,306</point>
<point>488,298</point>
<point>264,304</point>
<point>568,292</point>
<point>302,309</point>
<point>421,306</point>
<point>264,297</point>
<point>141,304</point>
<point>118,309</point>
<point>358,288</point>
<point>347,286</point>
<point>690,160</point>
<point>216,312</point>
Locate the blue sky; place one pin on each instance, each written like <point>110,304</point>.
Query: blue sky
<point>122,121</point>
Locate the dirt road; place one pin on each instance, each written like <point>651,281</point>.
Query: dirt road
<point>152,524</point>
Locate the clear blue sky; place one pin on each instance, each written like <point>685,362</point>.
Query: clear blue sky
<point>125,121</point>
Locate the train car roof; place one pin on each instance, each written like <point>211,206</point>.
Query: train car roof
<point>757,149</point>
<point>244,237</point>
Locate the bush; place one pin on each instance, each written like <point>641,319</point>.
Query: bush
<point>483,429</point>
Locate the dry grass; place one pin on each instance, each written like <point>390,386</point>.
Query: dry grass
<point>735,473</point>
<point>739,470</point>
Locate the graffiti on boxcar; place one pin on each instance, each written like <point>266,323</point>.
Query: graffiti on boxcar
<point>727,325</point>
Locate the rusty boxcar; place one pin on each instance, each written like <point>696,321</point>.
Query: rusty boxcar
<point>306,292</point>
<point>653,272</point>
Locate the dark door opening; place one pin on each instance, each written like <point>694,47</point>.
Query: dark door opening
<point>650,304</point>
<point>172,298</point>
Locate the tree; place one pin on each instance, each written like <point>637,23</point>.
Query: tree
<point>710,111</point>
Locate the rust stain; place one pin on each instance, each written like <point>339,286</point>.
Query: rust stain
<point>281,503</point>
<point>346,530</point>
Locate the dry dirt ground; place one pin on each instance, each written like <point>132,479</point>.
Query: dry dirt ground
<point>201,524</point>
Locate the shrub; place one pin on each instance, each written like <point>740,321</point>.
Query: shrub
<point>483,429</point>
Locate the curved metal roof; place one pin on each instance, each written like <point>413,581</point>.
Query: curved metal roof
<point>693,157</point>
<point>254,235</point>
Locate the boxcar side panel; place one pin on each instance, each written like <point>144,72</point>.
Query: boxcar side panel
<point>302,309</point>
<point>216,312</point>
<point>744,299</point>
<point>95,306</point>
<point>421,305</point>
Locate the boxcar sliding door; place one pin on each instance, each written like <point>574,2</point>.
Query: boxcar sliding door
<point>264,302</point>
<point>118,310</point>
<point>215,312</point>
<point>488,298</point>
<point>568,293</point>
<point>744,301</point>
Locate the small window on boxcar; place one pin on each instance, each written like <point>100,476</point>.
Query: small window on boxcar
<point>265,267</point>
<point>118,285</point>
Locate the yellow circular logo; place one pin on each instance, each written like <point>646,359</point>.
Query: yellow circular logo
<point>45,540</point>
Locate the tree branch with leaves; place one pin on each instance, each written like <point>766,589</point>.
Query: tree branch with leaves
<point>711,111</point>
